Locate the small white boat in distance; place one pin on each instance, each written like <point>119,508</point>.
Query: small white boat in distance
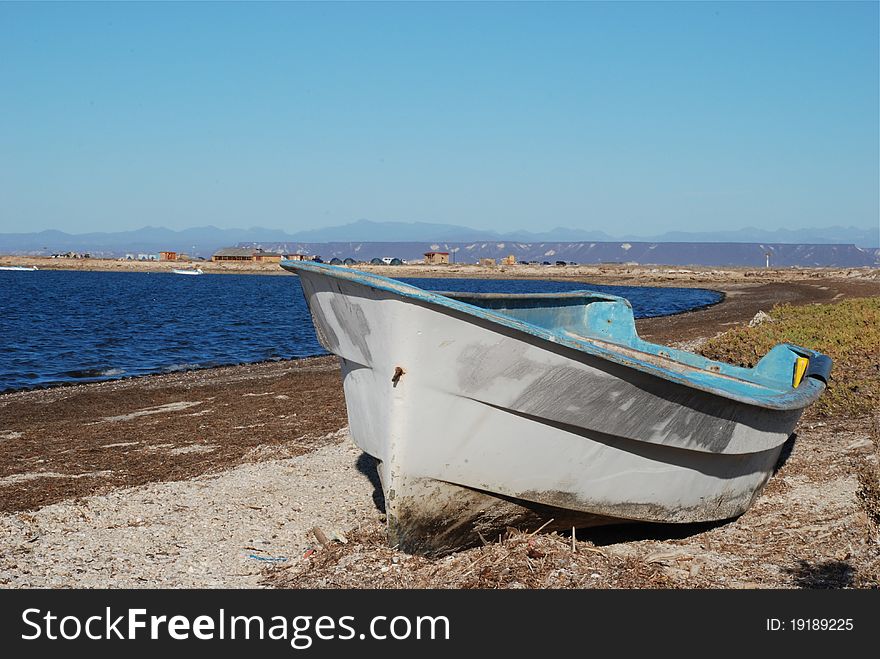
<point>488,410</point>
<point>188,271</point>
<point>18,268</point>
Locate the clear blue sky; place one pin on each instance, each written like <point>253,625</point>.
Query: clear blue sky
<point>630,118</point>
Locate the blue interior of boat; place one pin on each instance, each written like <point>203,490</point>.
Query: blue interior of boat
<point>609,318</point>
<point>604,325</point>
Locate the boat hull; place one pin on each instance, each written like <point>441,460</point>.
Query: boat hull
<point>477,427</point>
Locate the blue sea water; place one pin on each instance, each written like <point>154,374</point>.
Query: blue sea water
<point>60,327</point>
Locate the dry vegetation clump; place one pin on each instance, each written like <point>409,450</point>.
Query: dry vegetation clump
<point>848,332</point>
<point>517,560</point>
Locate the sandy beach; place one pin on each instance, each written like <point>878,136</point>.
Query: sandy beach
<point>217,478</point>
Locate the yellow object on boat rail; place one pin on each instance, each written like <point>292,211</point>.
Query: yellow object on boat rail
<point>800,367</point>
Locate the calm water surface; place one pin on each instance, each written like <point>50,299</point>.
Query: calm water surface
<point>68,326</point>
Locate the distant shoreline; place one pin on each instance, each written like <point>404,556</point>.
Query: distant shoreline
<point>604,273</point>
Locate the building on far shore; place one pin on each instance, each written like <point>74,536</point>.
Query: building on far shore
<point>436,258</point>
<point>487,262</point>
<point>297,257</point>
<point>233,254</point>
<point>167,256</point>
<point>266,257</point>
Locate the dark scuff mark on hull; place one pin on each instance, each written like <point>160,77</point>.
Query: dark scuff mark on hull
<point>352,318</point>
<point>326,336</point>
<point>720,465</point>
<point>631,406</point>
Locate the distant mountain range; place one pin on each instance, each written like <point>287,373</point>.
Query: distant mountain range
<point>204,241</point>
<point>365,230</point>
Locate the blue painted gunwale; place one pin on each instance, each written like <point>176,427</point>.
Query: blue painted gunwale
<point>767,385</point>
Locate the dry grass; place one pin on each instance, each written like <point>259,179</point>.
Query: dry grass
<point>849,332</point>
<point>517,560</point>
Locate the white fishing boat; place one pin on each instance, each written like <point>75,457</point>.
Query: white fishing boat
<point>489,410</point>
<point>187,271</point>
<point>18,268</point>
